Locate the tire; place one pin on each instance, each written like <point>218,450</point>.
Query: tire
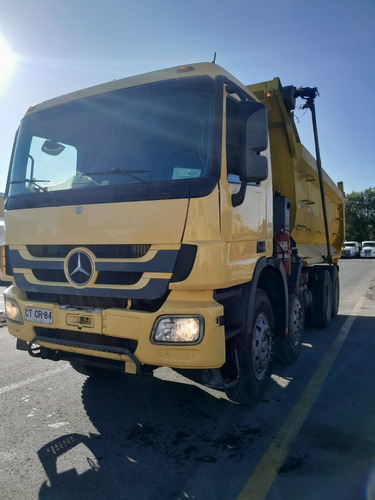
<point>321,306</point>
<point>335,291</point>
<point>255,353</point>
<point>289,347</point>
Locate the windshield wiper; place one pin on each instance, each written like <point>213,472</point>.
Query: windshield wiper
<point>35,183</point>
<point>119,171</point>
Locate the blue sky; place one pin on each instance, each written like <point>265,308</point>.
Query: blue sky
<point>61,46</point>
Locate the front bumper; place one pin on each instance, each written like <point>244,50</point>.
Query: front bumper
<point>105,327</point>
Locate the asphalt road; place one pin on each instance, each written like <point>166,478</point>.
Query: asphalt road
<point>65,436</point>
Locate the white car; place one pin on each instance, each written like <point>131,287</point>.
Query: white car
<point>368,249</point>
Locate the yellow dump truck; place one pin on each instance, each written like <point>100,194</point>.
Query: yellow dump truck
<point>170,219</point>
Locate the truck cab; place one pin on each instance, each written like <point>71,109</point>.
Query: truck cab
<point>368,249</point>
<point>351,249</point>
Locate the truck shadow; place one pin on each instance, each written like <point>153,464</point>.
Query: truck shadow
<point>153,434</point>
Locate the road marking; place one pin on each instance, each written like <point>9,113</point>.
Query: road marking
<point>31,380</point>
<point>264,474</point>
<point>58,424</point>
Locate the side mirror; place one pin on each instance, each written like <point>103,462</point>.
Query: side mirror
<point>254,125</point>
<point>253,116</point>
<point>256,167</point>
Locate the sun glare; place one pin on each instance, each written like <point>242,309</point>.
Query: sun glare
<point>8,64</point>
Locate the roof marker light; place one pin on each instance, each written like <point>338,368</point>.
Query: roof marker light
<point>185,69</point>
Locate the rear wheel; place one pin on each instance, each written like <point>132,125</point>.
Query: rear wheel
<point>321,306</point>
<point>255,353</point>
<point>289,346</point>
<point>335,291</point>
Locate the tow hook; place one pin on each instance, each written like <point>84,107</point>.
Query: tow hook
<point>33,349</point>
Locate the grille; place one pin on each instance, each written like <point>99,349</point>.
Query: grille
<point>119,268</point>
<point>103,278</point>
<point>100,251</point>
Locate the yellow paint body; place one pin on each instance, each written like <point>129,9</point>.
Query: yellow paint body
<point>226,239</point>
<point>218,264</point>
<point>295,175</point>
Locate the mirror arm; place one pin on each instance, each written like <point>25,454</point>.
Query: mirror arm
<point>238,198</point>
<point>32,167</point>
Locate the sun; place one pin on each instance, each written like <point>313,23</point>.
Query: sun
<point>8,64</point>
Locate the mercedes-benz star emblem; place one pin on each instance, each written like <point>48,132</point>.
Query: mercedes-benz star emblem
<point>80,268</point>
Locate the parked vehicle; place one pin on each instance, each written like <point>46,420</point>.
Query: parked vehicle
<point>152,222</point>
<point>351,249</point>
<point>368,249</point>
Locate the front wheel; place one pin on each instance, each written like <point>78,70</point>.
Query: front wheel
<point>255,353</point>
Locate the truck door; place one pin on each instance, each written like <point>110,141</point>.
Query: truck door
<point>246,228</point>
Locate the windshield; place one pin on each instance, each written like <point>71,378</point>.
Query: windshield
<point>150,135</point>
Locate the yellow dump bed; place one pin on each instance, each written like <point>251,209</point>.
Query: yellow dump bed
<point>295,175</point>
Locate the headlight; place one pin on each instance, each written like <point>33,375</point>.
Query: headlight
<point>177,330</point>
<point>12,310</point>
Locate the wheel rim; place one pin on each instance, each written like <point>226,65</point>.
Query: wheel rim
<point>296,321</point>
<point>261,346</point>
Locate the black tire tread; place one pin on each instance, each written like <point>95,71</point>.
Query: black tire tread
<point>319,316</point>
<point>248,390</point>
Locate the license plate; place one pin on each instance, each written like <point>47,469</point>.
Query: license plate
<point>39,315</point>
